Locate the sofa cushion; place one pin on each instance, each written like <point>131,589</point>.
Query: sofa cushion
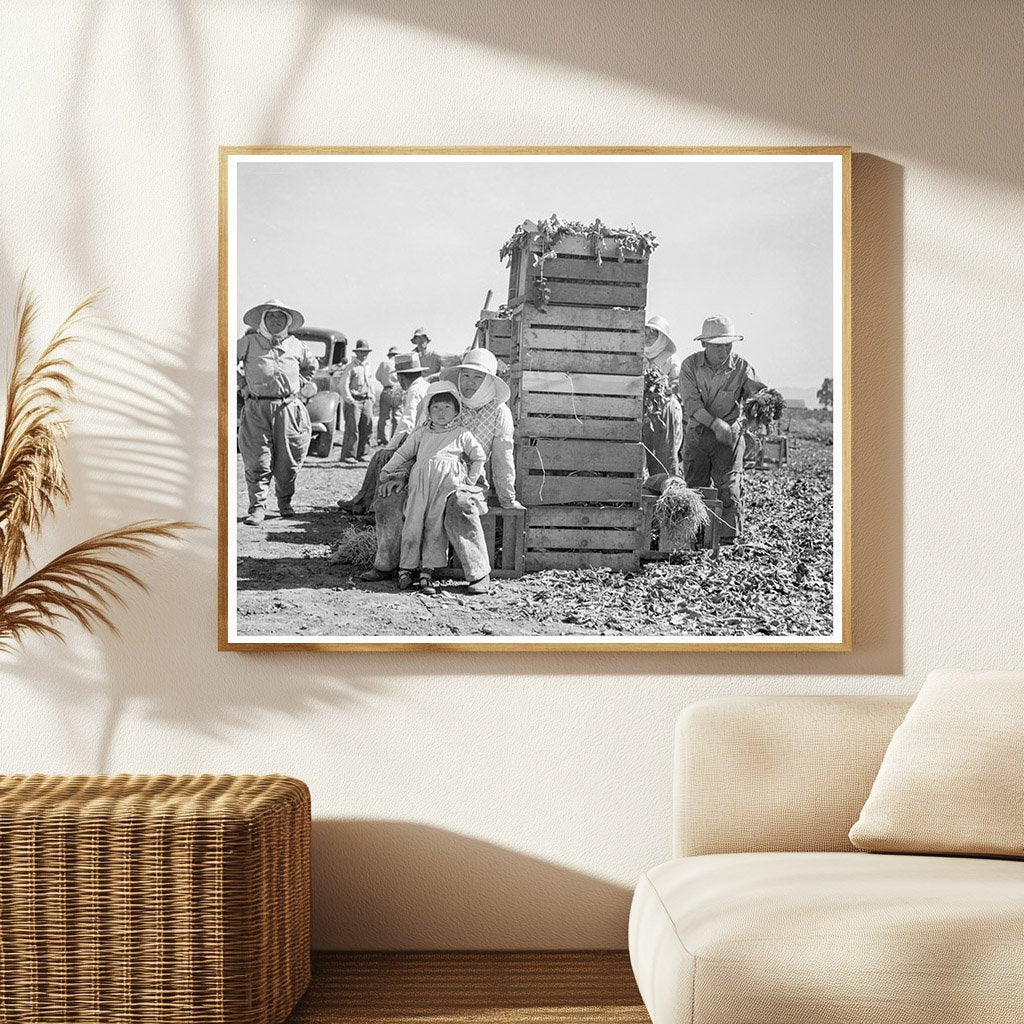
<point>783,938</point>
<point>950,781</point>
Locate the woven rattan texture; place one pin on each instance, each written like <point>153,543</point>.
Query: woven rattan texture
<point>144,899</point>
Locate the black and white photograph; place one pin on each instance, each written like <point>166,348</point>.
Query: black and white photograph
<point>549,399</point>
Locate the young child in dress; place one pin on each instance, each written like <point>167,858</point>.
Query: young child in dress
<point>439,458</point>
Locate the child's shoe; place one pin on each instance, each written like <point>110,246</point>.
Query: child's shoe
<point>427,583</point>
<point>405,578</point>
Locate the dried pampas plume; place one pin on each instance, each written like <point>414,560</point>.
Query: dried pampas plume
<point>82,584</point>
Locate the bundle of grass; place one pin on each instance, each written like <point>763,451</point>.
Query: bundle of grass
<point>356,546</point>
<point>680,514</point>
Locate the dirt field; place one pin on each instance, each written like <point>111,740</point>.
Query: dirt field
<point>778,583</point>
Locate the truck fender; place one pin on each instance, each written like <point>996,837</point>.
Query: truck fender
<point>323,406</point>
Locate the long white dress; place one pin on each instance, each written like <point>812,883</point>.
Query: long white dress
<point>440,461</point>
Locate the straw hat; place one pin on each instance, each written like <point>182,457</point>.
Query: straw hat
<point>409,363</point>
<point>393,351</point>
<point>362,345</point>
<point>660,324</point>
<point>482,361</point>
<point>254,316</point>
<point>718,330</point>
<point>420,333</point>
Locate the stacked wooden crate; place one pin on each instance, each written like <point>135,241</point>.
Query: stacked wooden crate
<point>576,374</point>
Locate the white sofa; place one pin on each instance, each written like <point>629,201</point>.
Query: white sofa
<point>768,915</point>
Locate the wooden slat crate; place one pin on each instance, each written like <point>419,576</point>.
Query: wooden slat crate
<point>594,406</point>
<point>504,532</point>
<point>555,471</point>
<point>576,375</point>
<point>498,338</point>
<point>666,544</point>
<point>773,451</point>
<point>576,277</point>
<point>543,343</point>
<point>579,537</point>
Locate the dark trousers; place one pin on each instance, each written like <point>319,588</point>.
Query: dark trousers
<point>387,418</point>
<point>368,489</point>
<point>358,427</point>
<point>706,463</point>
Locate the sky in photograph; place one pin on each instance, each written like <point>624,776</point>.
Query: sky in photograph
<point>377,249</point>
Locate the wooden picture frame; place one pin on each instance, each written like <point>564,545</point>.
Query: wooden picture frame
<point>567,511</point>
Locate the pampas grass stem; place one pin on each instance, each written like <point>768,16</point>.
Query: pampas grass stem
<point>82,584</point>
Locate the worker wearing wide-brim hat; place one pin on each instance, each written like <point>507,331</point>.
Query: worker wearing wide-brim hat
<point>356,404</point>
<point>273,429</point>
<point>713,385</point>
<point>486,416</point>
<point>660,350</point>
<point>390,400</point>
<point>431,360</point>
<point>663,416</point>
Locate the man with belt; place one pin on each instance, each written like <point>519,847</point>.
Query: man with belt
<point>411,388</point>
<point>713,385</point>
<point>357,405</point>
<point>273,428</point>
<point>390,397</point>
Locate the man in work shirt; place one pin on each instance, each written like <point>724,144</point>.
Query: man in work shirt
<point>273,429</point>
<point>357,405</point>
<point>713,385</point>
<point>430,361</point>
<point>390,397</point>
<point>412,387</point>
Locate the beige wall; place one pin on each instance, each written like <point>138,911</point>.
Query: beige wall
<point>480,800</point>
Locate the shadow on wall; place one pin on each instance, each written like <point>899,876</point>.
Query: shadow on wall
<point>160,390</point>
<point>892,77</point>
<point>402,885</point>
<point>146,446</point>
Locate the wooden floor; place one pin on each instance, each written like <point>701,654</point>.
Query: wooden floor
<point>471,988</point>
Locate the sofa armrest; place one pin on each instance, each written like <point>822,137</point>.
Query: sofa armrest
<point>758,774</point>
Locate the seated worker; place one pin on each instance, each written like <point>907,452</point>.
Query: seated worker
<point>439,459</point>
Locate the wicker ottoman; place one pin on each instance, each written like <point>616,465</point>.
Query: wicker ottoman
<point>170,899</point>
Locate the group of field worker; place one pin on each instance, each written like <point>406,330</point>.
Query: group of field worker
<point>394,373</point>
<point>274,430</point>
<point>415,482</point>
<point>697,429</point>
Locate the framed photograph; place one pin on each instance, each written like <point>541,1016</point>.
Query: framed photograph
<point>591,399</point>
